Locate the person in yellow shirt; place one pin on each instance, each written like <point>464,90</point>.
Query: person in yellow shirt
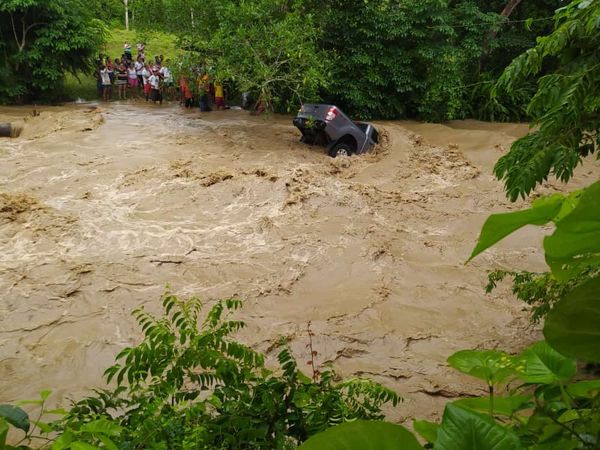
<point>219,95</point>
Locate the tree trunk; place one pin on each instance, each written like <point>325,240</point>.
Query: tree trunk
<point>509,8</point>
<point>126,2</point>
<point>506,12</point>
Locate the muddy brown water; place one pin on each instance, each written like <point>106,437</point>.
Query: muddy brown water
<point>101,208</point>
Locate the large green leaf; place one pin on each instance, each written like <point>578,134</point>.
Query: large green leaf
<point>102,426</point>
<point>585,389</point>
<point>3,432</point>
<point>363,435</point>
<point>427,430</point>
<point>467,430</point>
<point>498,226</point>
<point>503,406</point>
<point>540,363</point>
<point>80,445</point>
<point>575,244</point>
<point>573,325</point>
<point>15,416</point>
<point>63,441</point>
<point>489,365</point>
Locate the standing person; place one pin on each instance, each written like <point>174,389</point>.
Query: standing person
<point>219,95</point>
<point>146,80</point>
<point>110,66</point>
<point>168,84</point>
<point>98,75</point>
<point>140,48</point>
<point>122,81</point>
<point>127,51</point>
<point>156,84</point>
<point>133,80</point>
<point>106,84</point>
<point>203,92</point>
<point>186,92</point>
<point>139,68</point>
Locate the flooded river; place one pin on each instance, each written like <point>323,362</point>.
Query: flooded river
<point>101,208</point>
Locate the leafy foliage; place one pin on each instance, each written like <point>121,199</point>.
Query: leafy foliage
<point>539,290</point>
<point>191,386</point>
<point>550,411</point>
<point>437,60</point>
<point>363,435</point>
<point>40,41</point>
<point>572,326</point>
<point>269,49</point>
<point>462,429</point>
<point>566,107</point>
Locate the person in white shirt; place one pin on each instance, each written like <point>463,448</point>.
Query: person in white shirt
<point>106,83</point>
<point>167,81</point>
<point>155,83</point>
<point>139,68</point>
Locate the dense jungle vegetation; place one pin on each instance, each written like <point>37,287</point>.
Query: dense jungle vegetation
<point>431,59</point>
<point>189,384</point>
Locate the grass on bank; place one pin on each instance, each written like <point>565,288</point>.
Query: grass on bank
<point>84,86</point>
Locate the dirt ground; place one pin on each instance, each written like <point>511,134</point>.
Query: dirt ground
<point>101,208</point>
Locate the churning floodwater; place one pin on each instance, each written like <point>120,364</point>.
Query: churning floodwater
<point>102,207</point>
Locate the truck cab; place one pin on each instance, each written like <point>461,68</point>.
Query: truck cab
<point>327,125</point>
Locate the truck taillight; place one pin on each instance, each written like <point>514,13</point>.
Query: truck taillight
<point>331,114</point>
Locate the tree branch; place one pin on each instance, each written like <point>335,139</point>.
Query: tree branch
<point>12,21</point>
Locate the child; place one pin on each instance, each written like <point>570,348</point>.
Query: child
<point>156,84</point>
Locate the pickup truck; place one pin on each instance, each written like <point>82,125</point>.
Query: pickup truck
<point>327,125</point>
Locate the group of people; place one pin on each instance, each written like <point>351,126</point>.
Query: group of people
<point>134,78</point>
<point>203,91</point>
<point>154,81</point>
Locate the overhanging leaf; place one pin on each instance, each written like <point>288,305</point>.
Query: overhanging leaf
<point>498,226</point>
<point>363,435</point>
<point>467,430</point>
<point>102,426</point>
<point>489,365</point>
<point>15,416</point>
<point>427,430</point>
<point>573,325</point>
<point>585,389</point>
<point>575,244</point>
<point>503,406</point>
<point>80,445</point>
<point>540,363</point>
<point>3,432</point>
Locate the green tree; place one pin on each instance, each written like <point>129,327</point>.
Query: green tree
<point>40,41</point>
<point>566,106</point>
